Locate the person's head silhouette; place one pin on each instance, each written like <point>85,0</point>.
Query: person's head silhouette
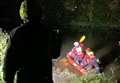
<point>34,10</point>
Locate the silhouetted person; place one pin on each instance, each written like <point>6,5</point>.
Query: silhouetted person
<point>28,54</point>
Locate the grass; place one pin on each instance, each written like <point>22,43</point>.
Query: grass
<point>97,79</point>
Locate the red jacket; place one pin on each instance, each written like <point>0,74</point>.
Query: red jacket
<point>77,52</point>
<point>90,58</point>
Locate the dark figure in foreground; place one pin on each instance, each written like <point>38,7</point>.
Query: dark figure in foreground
<point>28,55</point>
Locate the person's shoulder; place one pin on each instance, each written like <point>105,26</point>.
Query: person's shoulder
<point>31,27</point>
<point>19,30</point>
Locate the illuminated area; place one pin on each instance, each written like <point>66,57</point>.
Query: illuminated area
<point>105,46</point>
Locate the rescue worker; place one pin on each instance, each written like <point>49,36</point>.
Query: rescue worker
<point>78,52</point>
<point>91,60</point>
<point>27,56</point>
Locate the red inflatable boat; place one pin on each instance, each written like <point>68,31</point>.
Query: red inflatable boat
<point>82,71</point>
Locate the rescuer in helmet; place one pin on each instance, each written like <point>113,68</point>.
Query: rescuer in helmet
<point>90,60</point>
<point>77,51</point>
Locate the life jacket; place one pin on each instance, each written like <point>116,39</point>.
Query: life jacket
<point>77,51</point>
<point>70,54</point>
<point>90,56</point>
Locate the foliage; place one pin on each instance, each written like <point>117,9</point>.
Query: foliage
<point>94,12</point>
<point>4,41</point>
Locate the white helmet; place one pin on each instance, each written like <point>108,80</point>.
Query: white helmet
<point>76,44</point>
